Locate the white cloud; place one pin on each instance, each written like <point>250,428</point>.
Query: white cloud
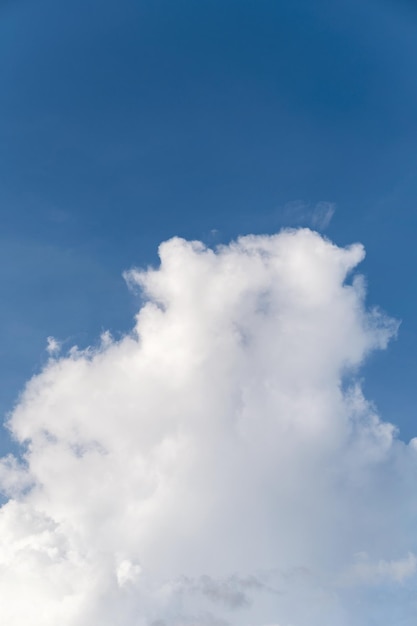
<point>53,347</point>
<point>215,466</point>
<point>128,572</point>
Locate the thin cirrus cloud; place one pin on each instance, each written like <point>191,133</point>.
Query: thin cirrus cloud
<point>220,464</point>
<point>318,215</point>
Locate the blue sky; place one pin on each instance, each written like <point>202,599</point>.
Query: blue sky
<point>209,461</point>
<point>124,123</point>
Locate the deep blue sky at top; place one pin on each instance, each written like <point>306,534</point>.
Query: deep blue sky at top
<point>124,122</point>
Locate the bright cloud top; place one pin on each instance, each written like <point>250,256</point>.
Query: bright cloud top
<point>219,465</point>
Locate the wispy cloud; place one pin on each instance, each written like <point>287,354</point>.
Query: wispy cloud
<point>366,571</point>
<point>318,215</point>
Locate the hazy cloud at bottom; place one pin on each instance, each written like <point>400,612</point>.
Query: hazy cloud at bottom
<point>219,465</point>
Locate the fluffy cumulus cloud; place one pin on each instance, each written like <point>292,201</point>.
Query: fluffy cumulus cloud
<point>219,465</point>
